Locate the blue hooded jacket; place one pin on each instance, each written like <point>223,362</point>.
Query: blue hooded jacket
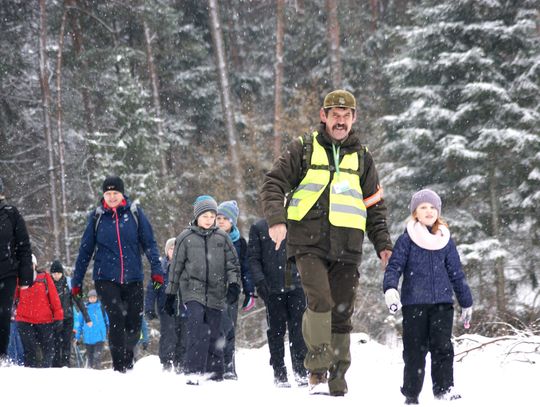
<point>429,276</point>
<point>118,250</point>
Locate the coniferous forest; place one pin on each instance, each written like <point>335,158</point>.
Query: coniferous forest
<point>189,97</point>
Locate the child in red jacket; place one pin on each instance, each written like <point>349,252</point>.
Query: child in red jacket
<point>39,313</point>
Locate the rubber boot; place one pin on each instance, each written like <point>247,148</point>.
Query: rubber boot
<point>341,344</point>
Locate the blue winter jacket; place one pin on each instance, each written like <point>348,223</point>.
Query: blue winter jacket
<point>100,324</point>
<point>241,250</point>
<point>429,276</point>
<point>108,241</point>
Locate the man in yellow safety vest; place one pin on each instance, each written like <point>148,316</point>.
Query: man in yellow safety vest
<point>333,198</point>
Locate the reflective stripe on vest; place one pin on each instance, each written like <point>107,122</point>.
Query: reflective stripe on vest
<point>347,207</point>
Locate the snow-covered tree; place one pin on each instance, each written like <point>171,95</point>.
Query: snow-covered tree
<point>462,128</point>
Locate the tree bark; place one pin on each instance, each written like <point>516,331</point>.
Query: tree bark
<point>226,105</point>
<point>334,43</point>
<point>500,281</point>
<point>155,95</point>
<point>374,5</point>
<point>278,86</point>
<point>59,127</point>
<point>45,98</point>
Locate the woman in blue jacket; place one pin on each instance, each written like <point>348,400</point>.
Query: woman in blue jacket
<point>429,262</point>
<point>118,232</point>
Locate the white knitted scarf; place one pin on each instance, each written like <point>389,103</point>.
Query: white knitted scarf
<point>425,239</point>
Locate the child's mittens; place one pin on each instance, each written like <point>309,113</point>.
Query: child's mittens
<point>391,296</point>
<point>466,315</point>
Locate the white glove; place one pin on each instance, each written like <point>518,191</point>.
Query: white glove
<point>466,315</point>
<point>391,296</point>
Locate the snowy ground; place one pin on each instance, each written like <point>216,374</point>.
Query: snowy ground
<point>505,372</point>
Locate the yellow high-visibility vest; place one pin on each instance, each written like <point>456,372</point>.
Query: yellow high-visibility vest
<point>347,208</point>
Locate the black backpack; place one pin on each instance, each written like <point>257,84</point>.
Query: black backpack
<point>8,216</point>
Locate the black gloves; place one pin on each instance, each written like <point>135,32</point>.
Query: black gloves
<point>262,290</point>
<point>233,291</point>
<point>169,304</point>
<point>150,315</point>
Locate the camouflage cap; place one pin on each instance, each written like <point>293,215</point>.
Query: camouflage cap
<point>339,98</point>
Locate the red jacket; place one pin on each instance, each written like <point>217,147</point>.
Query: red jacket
<point>40,303</point>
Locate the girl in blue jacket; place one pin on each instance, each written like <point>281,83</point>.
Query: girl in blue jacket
<point>427,258</point>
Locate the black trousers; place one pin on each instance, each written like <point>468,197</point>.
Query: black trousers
<point>38,343</point>
<point>62,344</point>
<point>204,345</point>
<point>7,292</point>
<point>284,311</point>
<point>124,306</point>
<point>172,340</point>
<point>427,328</point>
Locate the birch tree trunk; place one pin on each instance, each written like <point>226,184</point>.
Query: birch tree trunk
<point>59,126</point>
<point>278,86</point>
<point>45,98</point>
<point>155,96</point>
<point>333,38</point>
<point>226,105</point>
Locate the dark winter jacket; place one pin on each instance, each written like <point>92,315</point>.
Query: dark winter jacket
<point>204,264</point>
<point>157,297</point>
<point>267,263</point>
<point>68,300</point>
<point>314,234</point>
<point>39,304</point>
<point>429,276</point>
<point>118,243</point>
<point>15,249</point>
<point>241,247</point>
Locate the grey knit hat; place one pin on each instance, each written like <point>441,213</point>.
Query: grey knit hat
<point>92,293</point>
<point>202,204</point>
<point>426,195</point>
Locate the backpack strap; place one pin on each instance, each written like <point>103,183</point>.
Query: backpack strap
<point>98,213</point>
<point>307,151</point>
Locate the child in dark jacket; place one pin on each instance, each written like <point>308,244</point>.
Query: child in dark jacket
<point>172,329</point>
<point>205,277</point>
<point>427,258</point>
<point>227,217</point>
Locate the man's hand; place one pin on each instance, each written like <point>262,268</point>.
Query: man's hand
<point>385,256</point>
<point>278,233</point>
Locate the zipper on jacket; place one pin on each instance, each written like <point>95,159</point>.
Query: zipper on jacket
<point>119,247</point>
<point>207,271</point>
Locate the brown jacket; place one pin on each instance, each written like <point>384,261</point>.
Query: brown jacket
<point>314,234</point>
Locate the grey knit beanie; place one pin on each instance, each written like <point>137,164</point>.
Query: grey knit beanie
<point>204,203</point>
<point>426,195</point>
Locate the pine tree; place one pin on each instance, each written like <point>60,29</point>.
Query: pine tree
<point>462,129</point>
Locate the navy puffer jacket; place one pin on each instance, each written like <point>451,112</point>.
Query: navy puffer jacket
<point>429,276</point>
<point>118,249</point>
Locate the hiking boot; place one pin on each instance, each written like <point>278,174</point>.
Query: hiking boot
<point>230,376</point>
<point>448,395</point>
<point>280,377</point>
<point>317,383</point>
<point>411,400</point>
<point>301,380</point>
